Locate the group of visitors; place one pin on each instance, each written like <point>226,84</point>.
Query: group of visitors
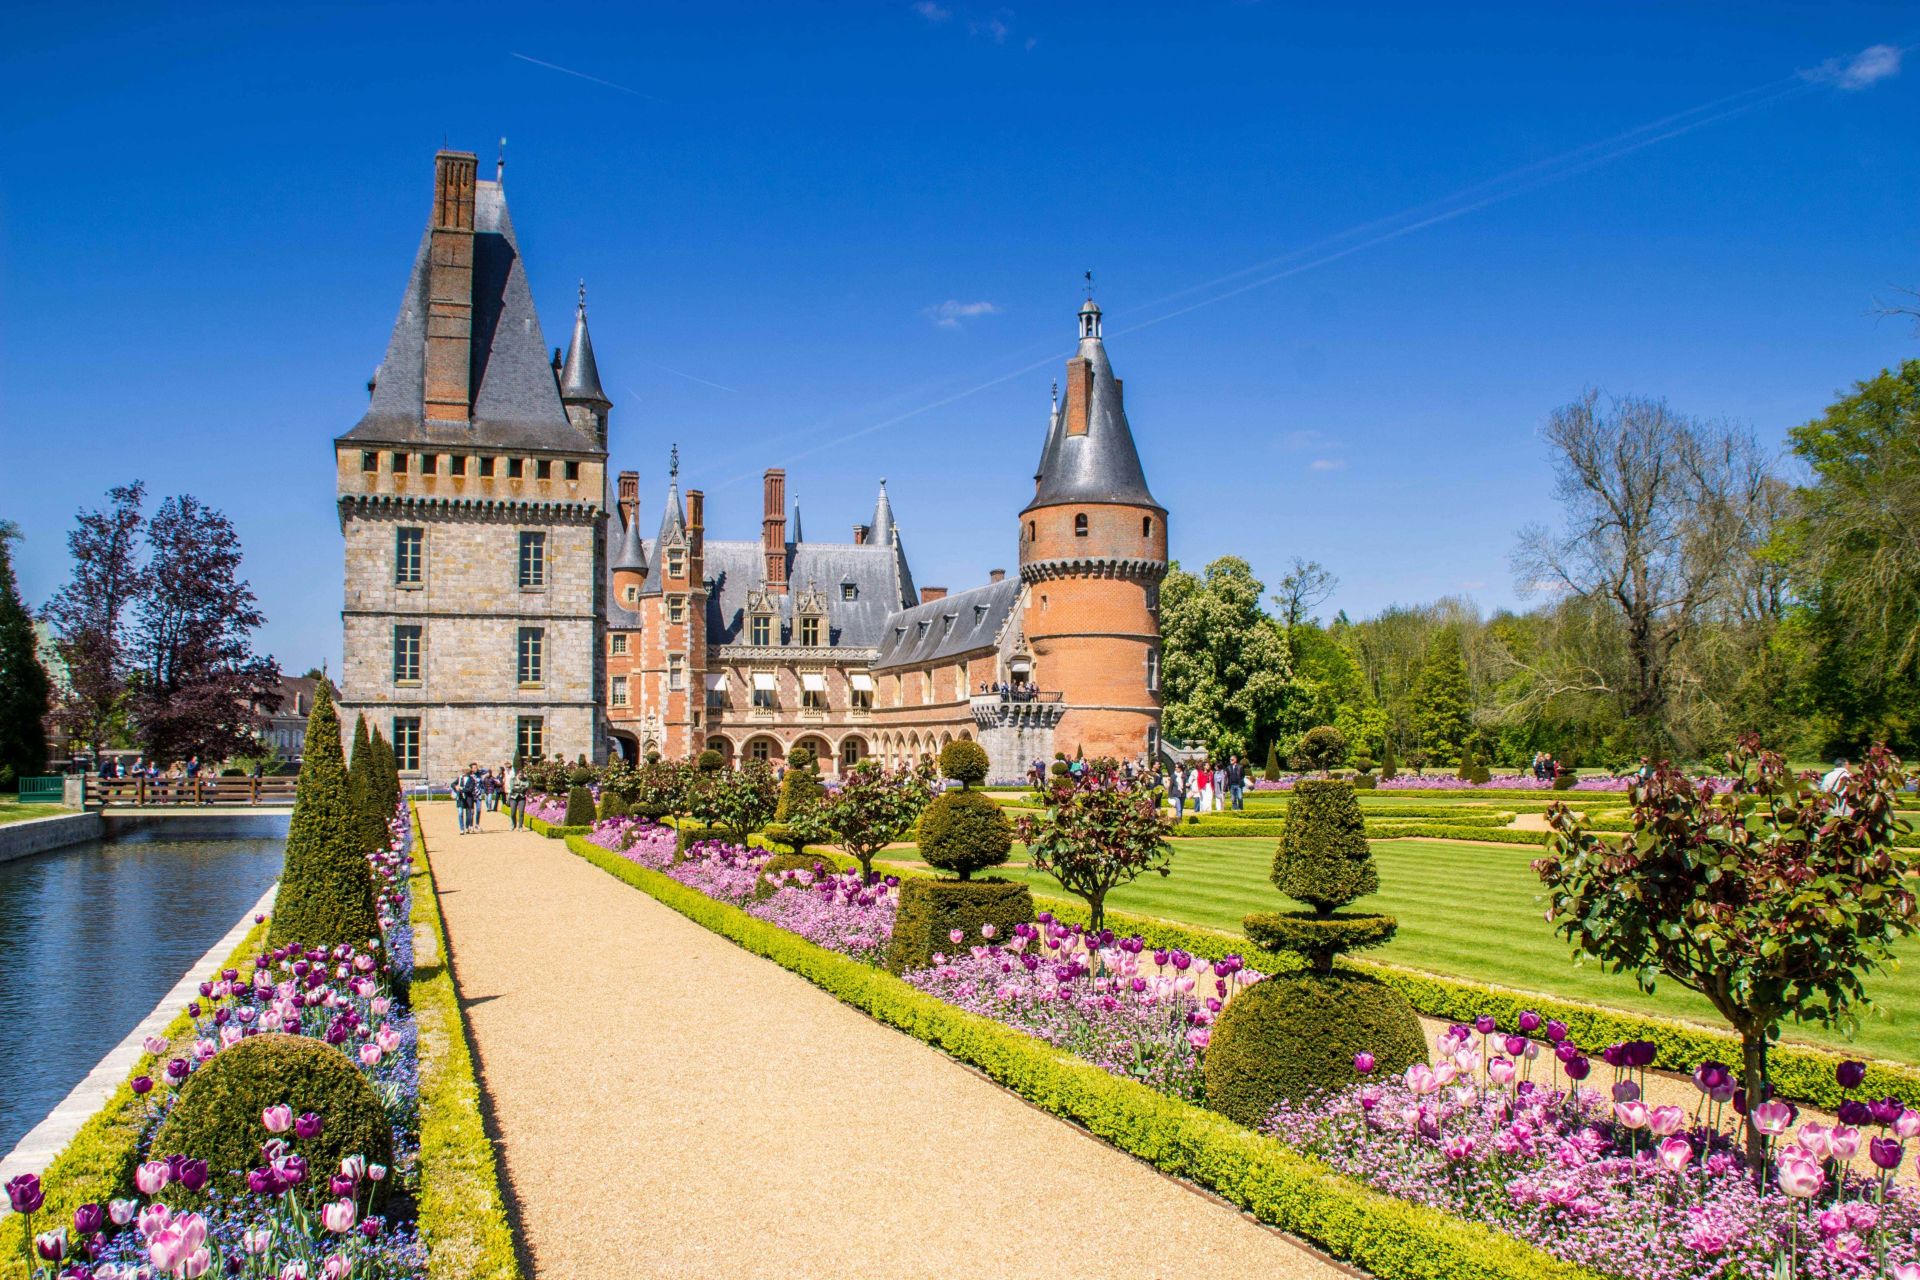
<point>477,790</point>
<point>115,768</point>
<point>1546,768</point>
<point>1213,786</point>
<point>1015,691</point>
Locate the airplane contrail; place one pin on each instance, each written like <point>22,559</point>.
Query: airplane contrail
<point>554,66</point>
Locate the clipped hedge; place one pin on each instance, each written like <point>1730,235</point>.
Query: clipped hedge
<point>1391,1238</point>
<point>462,1213</point>
<point>930,910</point>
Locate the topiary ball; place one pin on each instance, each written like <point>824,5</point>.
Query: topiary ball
<point>964,832</point>
<point>965,762</point>
<point>710,761</point>
<point>1293,1037</point>
<point>772,879</point>
<point>579,807</point>
<point>217,1115</point>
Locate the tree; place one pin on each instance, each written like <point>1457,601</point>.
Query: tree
<point>1101,830</point>
<point>1272,772</point>
<point>1323,748</point>
<point>364,791</point>
<point>326,891</point>
<point>1225,676</point>
<point>874,807</point>
<point>744,799</point>
<point>198,687</point>
<point>25,691</point>
<point>1773,900</point>
<point>1303,588</point>
<point>1658,506</point>
<point>1442,707</point>
<point>88,616</point>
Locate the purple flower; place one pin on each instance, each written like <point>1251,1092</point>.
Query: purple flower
<point>1855,1113</point>
<point>1886,1153</point>
<point>193,1174</point>
<point>142,1085</point>
<point>1850,1074</point>
<point>1556,1031</point>
<point>1484,1024</point>
<point>89,1218</point>
<point>1578,1068</point>
<point>24,1194</point>
<point>1529,1022</point>
<point>1363,1062</point>
<point>307,1126</point>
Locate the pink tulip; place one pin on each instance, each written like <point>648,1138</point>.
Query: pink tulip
<point>1666,1121</point>
<point>295,1270</point>
<point>1421,1079</point>
<point>338,1267</point>
<point>1816,1140</point>
<point>1500,1071</point>
<point>1800,1176</point>
<point>338,1217</point>
<point>256,1242</point>
<point>1845,1142</point>
<point>154,1045</point>
<point>1632,1115</point>
<point>1772,1118</point>
<point>1676,1154</point>
<point>195,1264</point>
<point>154,1219</point>
<point>1626,1091</point>
<point>1906,1271</point>
<point>122,1211</point>
<point>370,1054</point>
<point>1907,1125</point>
<point>151,1178</point>
<point>278,1119</point>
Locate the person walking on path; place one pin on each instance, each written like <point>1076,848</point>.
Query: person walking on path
<point>1237,782</point>
<point>1177,791</point>
<point>516,784</point>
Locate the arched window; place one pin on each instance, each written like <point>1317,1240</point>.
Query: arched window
<point>1080,525</point>
<point>1146,526</point>
<point>1153,671</point>
<point>1031,535</point>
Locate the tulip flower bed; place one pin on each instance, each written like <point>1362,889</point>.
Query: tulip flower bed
<point>291,1220</point>
<point>1602,1179</point>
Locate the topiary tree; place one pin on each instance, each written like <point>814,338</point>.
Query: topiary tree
<point>1293,1036</point>
<point>964,831</point>
<point>874,807</point>
<point>1321,748</point>
<point>217,1117</point>
<point>612,804</point>
<point>964,761</point>
<point>798,820</point>
<point>365,792</point>
<point>1272,771</point>
<point>931,910</point>
<point>1100,831</point>
<point>710,761</point>
<point>387,772</point>
<point>579,807</point>
<point>1774,899</point>
<point>326,887</point>
<point>1389,767</point>
<point>1465,771</point>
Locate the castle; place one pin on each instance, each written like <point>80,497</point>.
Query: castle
<point>503,601</point>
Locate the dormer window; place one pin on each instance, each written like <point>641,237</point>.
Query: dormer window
<point>1080,525</point>
<point>946,623</point>
<point>810,632</point>
<point>760,630</point>
<point>979,614</point>
<point>849,591</point>
<point>676,563</point>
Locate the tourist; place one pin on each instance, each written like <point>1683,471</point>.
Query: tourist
<point>494,790</point>
<point>516,787</point>
<point>1203,787</point>
<point>1836,777</point>
<point>1237,782</point>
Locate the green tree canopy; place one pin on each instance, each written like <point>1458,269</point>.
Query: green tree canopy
<point>1442,706</point>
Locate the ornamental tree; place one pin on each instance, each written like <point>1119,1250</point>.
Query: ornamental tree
<point>1321,748</point>
<point>743,800</point>
<point>1101,830</point>
<point>875,807</point>
<point>1773,900</point>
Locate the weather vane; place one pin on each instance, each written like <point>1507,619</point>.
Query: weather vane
<point>673,463</point>
<point>1089,286</point>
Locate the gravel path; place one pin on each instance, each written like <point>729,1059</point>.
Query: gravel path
<point>668,1105</point>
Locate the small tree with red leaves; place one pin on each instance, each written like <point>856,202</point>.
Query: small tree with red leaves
<point>1101,830</point>
<point>1773,899</point>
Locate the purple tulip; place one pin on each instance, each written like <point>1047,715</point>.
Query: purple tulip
<point>89,1218</point>
<point>370,1228</point>
<point>1886,1110</point>
<point>1850,1074</point>
<point>1641,1053</point>
<point>341,1185</point>
<point>206,990</point>
<point>1363,1063</point>
<point>177,1069</point>
<point>1556,1031</point>
<point>193,1008</point>
<point>141,1085</point>
<point>1516,1045</point>
<point>1485,1024</point>
<point>1886,1153</point>
<point>24,1194</point>
<point>1614,1055</point>
<point>193,1174</point>
<point>1577,1069</point>
<point>51,1245</point>
<point>263,1182</point>
<point>1855,1113</point>
<point>1529,1022</point>
<point>1566,1051</point>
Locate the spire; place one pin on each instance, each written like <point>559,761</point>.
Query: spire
<point>580,376</point>
<point>631,554</point>
<point>672,522</point>
<point>796,522</point>
<point>883,526</point>
<point>1089,455</point>
<point>886,533</point>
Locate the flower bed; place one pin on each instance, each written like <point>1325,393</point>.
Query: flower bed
<point>163,1215</point>
<point>1549,1162</point>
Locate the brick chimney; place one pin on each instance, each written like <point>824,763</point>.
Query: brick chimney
<point>448,385</point>
<point>860,532</point>
<point>629,496</point>
<point>996,575</point>
<point>773,529</point>
<point>1079,394</point>
<point>929,594</point>
<point>696,532</point>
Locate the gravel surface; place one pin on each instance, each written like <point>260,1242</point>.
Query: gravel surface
<point>668,1105</point>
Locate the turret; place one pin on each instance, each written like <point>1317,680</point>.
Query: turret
<point>586,404</point>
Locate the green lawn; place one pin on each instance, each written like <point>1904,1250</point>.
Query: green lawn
<point>1469,911</point>
<point>11,810</point>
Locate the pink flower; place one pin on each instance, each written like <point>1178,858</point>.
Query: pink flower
<point>1199,1037</point>
<point>1676,1154</point>
<point>338,1217</point>
<point>1666,1121</point>
<point>277,1119</point>
<point>1500,1071</point>
<point>370,1055</point>
<point>154,1045</point>
<point>1845,1142</point>
<point>1632,1115</point>
<point>1800,1175</point>
<point>956,934</point>
<point>1816,1140</point>
<point>1772,1118</point>
<point>1906,1271</point>
<point>151,1178</point>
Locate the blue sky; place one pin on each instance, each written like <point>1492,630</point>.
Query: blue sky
<point>848,239</point>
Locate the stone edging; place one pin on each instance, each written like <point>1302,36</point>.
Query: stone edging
<point>50,1137</point>
<point>56,831</point>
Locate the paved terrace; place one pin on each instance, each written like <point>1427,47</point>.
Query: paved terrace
<point>669,1105</point>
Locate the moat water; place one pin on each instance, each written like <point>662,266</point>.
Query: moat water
<point>92,936</point>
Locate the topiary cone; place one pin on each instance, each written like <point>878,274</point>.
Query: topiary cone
<point>326,886</point>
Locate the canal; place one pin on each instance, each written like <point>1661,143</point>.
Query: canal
<point>93,935</point>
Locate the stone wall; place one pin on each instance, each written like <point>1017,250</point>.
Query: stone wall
<point>37,835</point>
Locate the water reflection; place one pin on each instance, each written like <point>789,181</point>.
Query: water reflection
<point>92,936</point>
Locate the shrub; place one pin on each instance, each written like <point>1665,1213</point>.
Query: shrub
<point>770,883</point>
<point>1060,769</point>
<point>579,807</point>
<point>612,804</point>
<point>365,794</point>
<point>710,761</point>
<point>965,831</point>
<point>1272,771</point>
<point>1389,767</point>
<point>1292,1036</point>
<point>965,762</point>
<point>800,758</point>
<point>326,888</point>
<point>797,817</point>
<point>1323,859</point>
<point>217,1115</point>
<point>1366,782</point>
<point>1320,748</point>
<point>930,910</point>
<point>1565,781</point>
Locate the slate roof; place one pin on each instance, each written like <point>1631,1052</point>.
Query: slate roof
<point>516,403</point>
<point>1103,465</point>
<point>940,630</point>
<point>736,568</point>
<point>580,375</point>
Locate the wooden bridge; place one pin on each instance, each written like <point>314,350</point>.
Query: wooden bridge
<point>190,793</point>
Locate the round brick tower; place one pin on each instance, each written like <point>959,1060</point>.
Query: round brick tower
<point>1093,549</point>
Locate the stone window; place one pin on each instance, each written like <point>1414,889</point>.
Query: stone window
<point>810,631</point>
<point>861,683</point>
<point>516,468</point>
<point>409,556</point>
<point>813,691</point>
<point>676,563</point>
<point>676,671</point>
<point>760,630</point>
<point>766,689</point>
<point>486,468</point>
<point>533,559</point>
<point>543,470</point>
<point>369,460</point>
<point>399,464</point>
<point>619,691</point>
<point>1146,526</point>
<point>1080,525</point>
<point>530,738</point>
<point>429,464</point>
<point>406,654</point>
<point>633,594</point>
<point>457,465</point>
<point>573,471</point>
<point>676,609</point>
<point>849,753</point>
<point>406,743</point>
<point>617,644</point>
<point>531,665</point>
<point>760,749</point>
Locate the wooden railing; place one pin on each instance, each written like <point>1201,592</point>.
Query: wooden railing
<point>189,792</point>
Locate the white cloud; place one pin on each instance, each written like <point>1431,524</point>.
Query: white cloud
<point>1861,71</point>
<point>950,313</point>
<point>1327,464</point>
<point>931,11</point>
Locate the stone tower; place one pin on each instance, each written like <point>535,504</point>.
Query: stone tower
<point>1093,549</point>
<point>472,499</point>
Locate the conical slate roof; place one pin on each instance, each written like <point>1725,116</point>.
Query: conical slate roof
<point>1101,466</point>
<point>580,375</point>
<point>630,554</point>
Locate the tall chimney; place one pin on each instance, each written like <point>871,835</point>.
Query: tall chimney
<point>773,529</point>
<point>1079,394</point>
<point>629,496</point>
<point>996,575</point>
<point>696,526</point>
<point>929,594</point>
<point>448,389</point>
